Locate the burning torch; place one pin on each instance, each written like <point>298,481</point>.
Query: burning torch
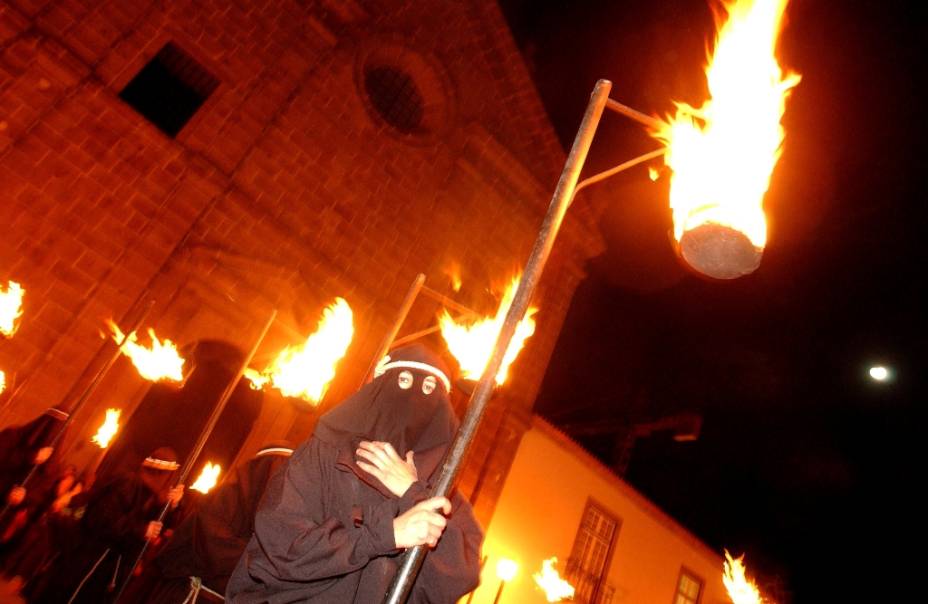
<point>721,156</point>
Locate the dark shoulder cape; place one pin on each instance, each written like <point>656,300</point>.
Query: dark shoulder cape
<point>209,542</point>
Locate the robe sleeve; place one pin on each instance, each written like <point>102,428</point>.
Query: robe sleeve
<point>453,568</point>
<point>113,516</point>
<point>223,526</point>
<point>298,540</point>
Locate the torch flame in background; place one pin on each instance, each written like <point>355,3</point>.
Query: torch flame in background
<point>723,153</point>
<point>305,371</point>
<point>453,270</point>
<point>161,362</point>
<point>741,590</point>
<point>2,381</point>
<point>108,429</point>
<point>207,478</point>
<point>555,588</point>
<point>471,342</point>
<point>11,308</point>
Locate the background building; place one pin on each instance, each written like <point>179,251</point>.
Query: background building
<point>612,544</point>
<point>228,158</point>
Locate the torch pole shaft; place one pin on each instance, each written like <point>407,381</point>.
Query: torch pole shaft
<point>201,442</point>
<point>563,193</point>
<point>85,394</point>
<point>398,321</point>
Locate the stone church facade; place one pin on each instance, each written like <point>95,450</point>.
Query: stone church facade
<point>303,150</point>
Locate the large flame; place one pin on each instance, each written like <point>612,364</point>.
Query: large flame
<point>161,362</point>
<point>207,478</point>
<point>107,429</point>
<point>722,154</point>
<point>305,371</point>
<point>471,342</point>
<point>741,590</point>
<point>11,308</point>
<point>555,588</point>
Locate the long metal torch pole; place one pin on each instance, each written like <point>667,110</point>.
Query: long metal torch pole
<point>403,581</point>
<point>85,394</point>
<point>201,442</point>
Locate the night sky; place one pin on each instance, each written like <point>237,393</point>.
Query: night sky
<point>804,463</point>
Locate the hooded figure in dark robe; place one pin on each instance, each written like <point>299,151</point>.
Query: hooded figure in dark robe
<point>118,516</point>
<point>28,471</point>
<point>200,557</point>
<point>23,447</point>
<point>326,530</point>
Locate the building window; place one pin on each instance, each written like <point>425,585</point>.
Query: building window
<point>689,588</point>
<point>395,97</point>
<point>170,89</point>
<point>586,567</point>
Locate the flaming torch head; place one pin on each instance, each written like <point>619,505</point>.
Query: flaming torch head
<point>160,362</point>
<point>723,153</point>
<point>11,308</point>
<point>305,371</point>
<point>108,429</point>
<point>555,588</point>
<point>741,590</point>
<point>207,478</point>
<point>471,342</point>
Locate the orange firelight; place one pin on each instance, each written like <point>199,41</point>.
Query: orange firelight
<point>741,590</point>
<point>305,371</point>
<point>722,154</point>
<point>471,342</point>
<point>11,308</point>
<point>107,429</point>
<point>2,381</point>
<point>555,588</point>
<point>208,478</point>
<point>161,362</point>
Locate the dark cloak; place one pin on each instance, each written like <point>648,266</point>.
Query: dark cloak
<point>110,536</point>
<point>324,531</point>
<point>209,543</point>
<point>20,444</point>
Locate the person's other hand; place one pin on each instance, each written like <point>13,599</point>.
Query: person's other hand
<point>385,464</point>
<point>16,496</point>
<point>175,495</point>
<point>42,455</point>
<point>422,524</point>
<point>153,530</point>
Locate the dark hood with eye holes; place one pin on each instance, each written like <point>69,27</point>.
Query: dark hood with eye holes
<point>408,419</point>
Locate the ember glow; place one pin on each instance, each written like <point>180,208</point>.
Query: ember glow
<point>722,154</point>
<point>471,342</point>
<point>555,588</point>
<point>741,590</point>
<point>453,270</point>
<point>11,308</point>
<point>161,362</point>
<point>108,429</point>
<point>207,478</point>
<point>305,371</point>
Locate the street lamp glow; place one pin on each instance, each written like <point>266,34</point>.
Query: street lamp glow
<point>506,569</point>
<point>879,373</point>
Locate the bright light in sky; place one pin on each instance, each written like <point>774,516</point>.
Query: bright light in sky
<point>879,373</point>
